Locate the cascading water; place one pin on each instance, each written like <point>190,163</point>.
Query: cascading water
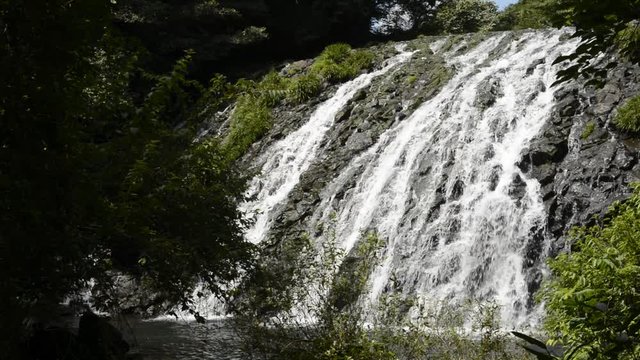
<point>286,160</point>
<point>442,186</point>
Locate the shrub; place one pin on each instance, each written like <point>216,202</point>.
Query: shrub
<point>250,120</point>
<point>304,88</point>
<point>628,117</point>
<point>338,62</point>
<point>273,88</point>
<point>592,300</point>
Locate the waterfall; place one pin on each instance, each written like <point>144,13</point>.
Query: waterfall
<point>286,160</point>
<point>441,187</point>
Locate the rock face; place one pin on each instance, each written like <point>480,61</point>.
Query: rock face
<point>455,199</point>
<point>386,101</point>
<point>581,160</point>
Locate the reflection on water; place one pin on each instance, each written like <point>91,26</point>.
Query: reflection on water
<point>164,340</point>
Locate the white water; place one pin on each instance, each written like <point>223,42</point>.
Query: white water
<point>439,186</point>
<point>473,244</point>
<point>287,159</point>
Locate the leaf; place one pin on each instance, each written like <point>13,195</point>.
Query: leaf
<point>529,339</point>
<point>562,58</point>
<point>540,353</point>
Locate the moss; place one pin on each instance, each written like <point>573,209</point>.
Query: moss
<point>628,117</point>
<point>411,79</point>
<point>588,130</point>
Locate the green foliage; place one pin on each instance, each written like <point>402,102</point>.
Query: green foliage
<point>601,26</point>
<point>526,14</point>
<point>273,88</point>
<point>628,116</point>
<point>338,62</point>
<point>407,16</point>
<point>99,181</point>
<point>304,88</point>
<point>316,285</point>
<point>592,302</point>
<point>538,348</point>
<point>588,130</point>
<point>252,117</point>
<point>250,120</point>
<point>465,16</point>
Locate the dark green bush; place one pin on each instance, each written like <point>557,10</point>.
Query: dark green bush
<point>250,120</point>
<point>592,300</point>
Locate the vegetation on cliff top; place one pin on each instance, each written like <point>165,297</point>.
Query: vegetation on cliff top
<point>251,118</point>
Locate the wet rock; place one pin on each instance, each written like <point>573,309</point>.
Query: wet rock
<point>494,177</point>
<point>343,114</point>
<point>534,280</point>
<point>517,188</point>
<point>490,90</point>
<point>582,180</point>
<point>549,152</point>
<point>457,190</point>
<point>358,142</point>
<point>545,173</point>
<point>534,65</point>
<point>104,340</point>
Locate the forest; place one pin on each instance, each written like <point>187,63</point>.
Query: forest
<point>121,185</point>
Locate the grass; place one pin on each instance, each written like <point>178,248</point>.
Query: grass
<point>628,117</point>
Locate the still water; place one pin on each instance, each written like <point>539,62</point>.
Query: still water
<point>180,340</point>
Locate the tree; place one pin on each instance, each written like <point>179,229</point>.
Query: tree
<point>464,16</point>
<point>97,180</point>
<point>407,16</point>
<point>526,14</point>
<point>219,33</point>
<point>592,300</point>
<point>309,25</point>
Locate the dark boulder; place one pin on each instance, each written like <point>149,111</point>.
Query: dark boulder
<point>103,339</point>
